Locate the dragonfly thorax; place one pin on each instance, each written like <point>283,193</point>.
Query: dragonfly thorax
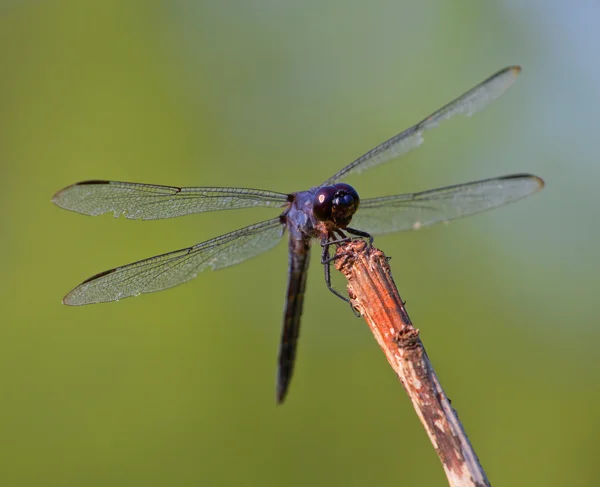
<point>336,204</point>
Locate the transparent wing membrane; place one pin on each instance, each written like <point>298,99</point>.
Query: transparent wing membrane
<point>316,214</point>
<point>152,202</point>
<point>472,101</point>
<point>417,210</point>
<point>173,268</point>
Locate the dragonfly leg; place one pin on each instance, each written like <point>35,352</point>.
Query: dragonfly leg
<point>327,242</point>
<point>358,233</point>
<point>343,239</point>
<point>326,260</point>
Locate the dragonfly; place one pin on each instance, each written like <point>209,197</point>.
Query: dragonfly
<point>330,213</point>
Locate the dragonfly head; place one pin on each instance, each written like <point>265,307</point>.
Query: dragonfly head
<point>336,204</point>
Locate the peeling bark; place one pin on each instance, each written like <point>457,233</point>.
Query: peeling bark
<point>374,294</point>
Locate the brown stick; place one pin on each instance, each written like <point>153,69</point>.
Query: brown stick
<point>373,293</point>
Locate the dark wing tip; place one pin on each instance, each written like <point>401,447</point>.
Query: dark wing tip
<point>68,298</point>
<point>532,177</point>
<point>541,183</point>
<point>516,69</point>
<point>508,74</point>
<point>65,300</point>
<point>92,181</point>
<point>96,276</point>
<point>58,195</point>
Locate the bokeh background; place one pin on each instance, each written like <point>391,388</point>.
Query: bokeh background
<point>177,388</point>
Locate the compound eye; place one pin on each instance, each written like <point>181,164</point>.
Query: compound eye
<point>344,205</point>
<point>323,202</point>
<point>346,196</point>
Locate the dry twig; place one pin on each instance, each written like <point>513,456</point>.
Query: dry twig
<point>373,293</point>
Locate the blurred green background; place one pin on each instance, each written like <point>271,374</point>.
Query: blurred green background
<point>177,388</point>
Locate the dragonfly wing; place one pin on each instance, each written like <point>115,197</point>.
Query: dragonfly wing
<point>470,102</point>
<point>417,210</point>
<point>152,202</point>
<point>173,268</point>
<point>299,254</point>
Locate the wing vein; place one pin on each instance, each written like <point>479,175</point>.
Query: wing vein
<point>468,103</point>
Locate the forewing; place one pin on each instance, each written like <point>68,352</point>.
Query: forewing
<point>472,101</point>
<point>417,210</point>
<point>168,270</point>
<point>152,202</point>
